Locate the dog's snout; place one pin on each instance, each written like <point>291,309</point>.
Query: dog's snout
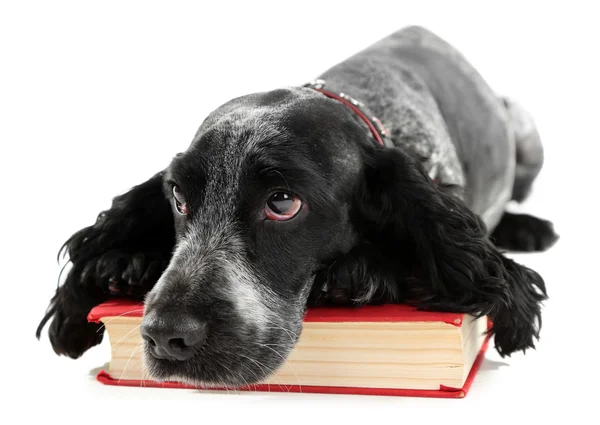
<point>173,337</point>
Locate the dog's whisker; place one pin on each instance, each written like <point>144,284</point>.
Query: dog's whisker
<point>279,326</point>
<point>122,340</point>
<point>247,385</point>
<point>270,375</point>
<point>62,269</point>
<point>140,344</point>
<point>272,344</point>
<point>287,331</point>
<point>242,349</point>
<point>266,370</point>
<point>284,361</point>
<point>233,376</point>
<point>104,323</point>
<point>284,179</point>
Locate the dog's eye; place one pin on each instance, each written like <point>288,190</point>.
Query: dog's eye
<point>282,206</point>
<point>180,203</point>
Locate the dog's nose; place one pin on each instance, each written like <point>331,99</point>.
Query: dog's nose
<point>173,337</point>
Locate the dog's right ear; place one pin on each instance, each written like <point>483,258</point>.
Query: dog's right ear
<point>444,246</point>
<point>122,254</point>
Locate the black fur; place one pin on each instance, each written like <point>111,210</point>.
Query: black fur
<point>122,254</point>
<point>523,232</point>
<point>455,265</point>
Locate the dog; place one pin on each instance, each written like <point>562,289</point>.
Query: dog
<point>384,181</point>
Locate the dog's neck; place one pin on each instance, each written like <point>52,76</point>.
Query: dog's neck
<point>378,130</point>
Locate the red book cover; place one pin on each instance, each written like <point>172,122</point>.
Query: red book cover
<point>383,313</point>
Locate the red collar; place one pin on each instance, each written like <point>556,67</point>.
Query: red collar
<point>380,133</point>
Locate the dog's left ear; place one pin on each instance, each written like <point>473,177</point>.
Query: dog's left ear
<point>455,267</point>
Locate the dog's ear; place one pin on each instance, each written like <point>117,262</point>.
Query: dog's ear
<point>123,254</point>
<point>454,266</point>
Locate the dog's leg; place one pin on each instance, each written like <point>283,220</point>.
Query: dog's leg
<point>365,275</point>
<point>529,150</point>
<point>522,232</point>
<point>123,253</point>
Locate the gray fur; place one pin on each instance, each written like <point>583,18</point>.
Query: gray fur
<point>530,152</point>
<point>437,105</point>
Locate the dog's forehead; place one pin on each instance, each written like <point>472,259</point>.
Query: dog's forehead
<point>290,121</point>
<point>295,129</point>
<point>257,110</point>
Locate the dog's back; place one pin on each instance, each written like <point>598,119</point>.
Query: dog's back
<point>437,105</point>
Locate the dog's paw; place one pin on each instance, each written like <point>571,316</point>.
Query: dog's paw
<point>355,279</point>
<point>114,273</point>
<point>119,273</point>
<point>522,232</point>
<point>70,332</point>
<point>73,335</point>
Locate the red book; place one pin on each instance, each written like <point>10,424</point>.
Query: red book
<point>392,350</point>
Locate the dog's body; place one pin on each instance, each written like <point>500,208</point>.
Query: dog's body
<point>438,107</point>
<point>283,200</point>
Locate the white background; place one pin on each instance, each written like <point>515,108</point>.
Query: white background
<point>97,96</point>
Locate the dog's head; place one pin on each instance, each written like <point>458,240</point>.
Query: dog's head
<point>273,190</point>
<point>261,201</point>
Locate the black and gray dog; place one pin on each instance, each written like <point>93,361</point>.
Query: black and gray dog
<point>286,199</point>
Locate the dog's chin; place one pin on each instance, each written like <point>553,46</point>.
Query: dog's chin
<point>244,365</point>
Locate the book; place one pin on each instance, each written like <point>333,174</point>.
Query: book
<point>390,349</point>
